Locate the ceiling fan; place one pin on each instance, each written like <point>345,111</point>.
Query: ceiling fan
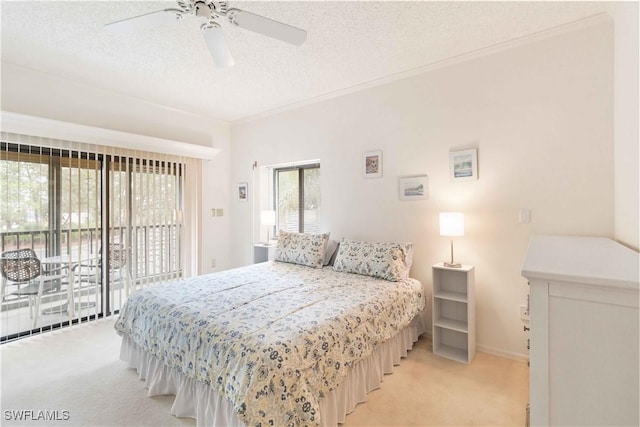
<point>213,12</point>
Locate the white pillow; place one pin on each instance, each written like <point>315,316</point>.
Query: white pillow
<point>389,261</point>
<point>302,248</point>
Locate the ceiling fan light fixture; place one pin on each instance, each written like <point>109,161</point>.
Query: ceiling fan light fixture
<point>203,10</point>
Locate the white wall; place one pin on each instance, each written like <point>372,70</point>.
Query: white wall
<point>33,93</point>
<point>541,117</point>
<point>216,231</point>
<point>627,192</point>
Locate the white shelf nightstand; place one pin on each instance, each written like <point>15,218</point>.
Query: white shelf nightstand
<point>454,314</point>
<point>263,253</point>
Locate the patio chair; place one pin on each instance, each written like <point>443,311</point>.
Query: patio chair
<point>91,273</point>
<point>22,266</point>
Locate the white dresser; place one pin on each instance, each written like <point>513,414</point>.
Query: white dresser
<point>584,332</point>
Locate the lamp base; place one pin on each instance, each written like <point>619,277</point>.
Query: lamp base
<point>452,264</point>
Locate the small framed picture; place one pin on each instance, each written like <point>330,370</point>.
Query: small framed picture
<point>414,187</point>
<point>243,192</point>
<point>463,165</point>
<point>372,164</point>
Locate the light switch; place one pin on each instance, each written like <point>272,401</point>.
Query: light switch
<point>524,216</point>
<point>219,212</point>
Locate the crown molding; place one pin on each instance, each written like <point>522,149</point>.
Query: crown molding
<point>489,50</point>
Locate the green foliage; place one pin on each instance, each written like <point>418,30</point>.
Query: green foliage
<point>23,196</point>
<point>26,193</point>
<point>288,197</point>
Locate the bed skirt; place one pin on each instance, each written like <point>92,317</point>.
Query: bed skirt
<point>196,400</point>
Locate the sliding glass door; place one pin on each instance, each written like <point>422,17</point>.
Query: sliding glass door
<point>96,226</point>
<point>145,213</point>
<point>50,222</point>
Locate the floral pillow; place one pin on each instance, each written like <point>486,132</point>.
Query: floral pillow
<point>302,248</point>
<point>389,261</point>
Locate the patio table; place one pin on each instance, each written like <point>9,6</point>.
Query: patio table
<point>70,263</point>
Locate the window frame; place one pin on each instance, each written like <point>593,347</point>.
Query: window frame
<point>301,168</point>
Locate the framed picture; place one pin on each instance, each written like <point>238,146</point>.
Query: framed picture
<point>372,164</point>
<point>414,187</point>
<point>463,165</point>
<point>243,192</point>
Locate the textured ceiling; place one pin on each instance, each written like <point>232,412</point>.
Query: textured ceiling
<point>348,44</point>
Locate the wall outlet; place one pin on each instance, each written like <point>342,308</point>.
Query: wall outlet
<point>524,312</point>
<point>213,263</point>
<point>524,216</point>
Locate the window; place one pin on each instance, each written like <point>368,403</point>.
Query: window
<point>66,204</point>
<point>50,201</point>
<point>297,198</point>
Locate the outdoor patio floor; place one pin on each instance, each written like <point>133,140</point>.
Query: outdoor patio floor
<point>15,318</point>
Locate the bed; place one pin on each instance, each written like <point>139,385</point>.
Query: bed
<point>286,342</point>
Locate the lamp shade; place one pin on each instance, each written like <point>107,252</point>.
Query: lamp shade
<point>268,218</point>
<point>451,224</point>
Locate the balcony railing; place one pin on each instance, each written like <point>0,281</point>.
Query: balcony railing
<point>152,254</point>
<point>153,257</point>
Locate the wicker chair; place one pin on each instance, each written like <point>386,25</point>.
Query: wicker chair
<point>20,267</point>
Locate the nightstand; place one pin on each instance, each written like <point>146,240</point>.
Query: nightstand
<point>263,253</point>
<point>454,314</point>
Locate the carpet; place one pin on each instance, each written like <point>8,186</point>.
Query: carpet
<point>74,377</point>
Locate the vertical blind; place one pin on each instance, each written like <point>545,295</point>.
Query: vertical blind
<point>101,221</point>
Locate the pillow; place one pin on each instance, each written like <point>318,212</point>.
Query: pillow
<point>302,248</point>
<point>389,261</point>
<point>329,253</point>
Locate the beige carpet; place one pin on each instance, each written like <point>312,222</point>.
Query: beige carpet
<point>76,376</point>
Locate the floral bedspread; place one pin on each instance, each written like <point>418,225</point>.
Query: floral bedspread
<point>274,338</point>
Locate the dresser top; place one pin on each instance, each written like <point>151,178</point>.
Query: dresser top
<point>589,260</point>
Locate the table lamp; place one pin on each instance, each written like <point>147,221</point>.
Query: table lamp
<point>268,219</point>
<point>452,225</point>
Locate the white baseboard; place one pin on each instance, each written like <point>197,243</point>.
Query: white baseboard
<point>502,353</point>
<point>493,350</point>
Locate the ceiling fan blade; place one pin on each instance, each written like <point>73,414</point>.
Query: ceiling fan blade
<point>144,22</point>
<point>217,44</point>
<point>266,26</point>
